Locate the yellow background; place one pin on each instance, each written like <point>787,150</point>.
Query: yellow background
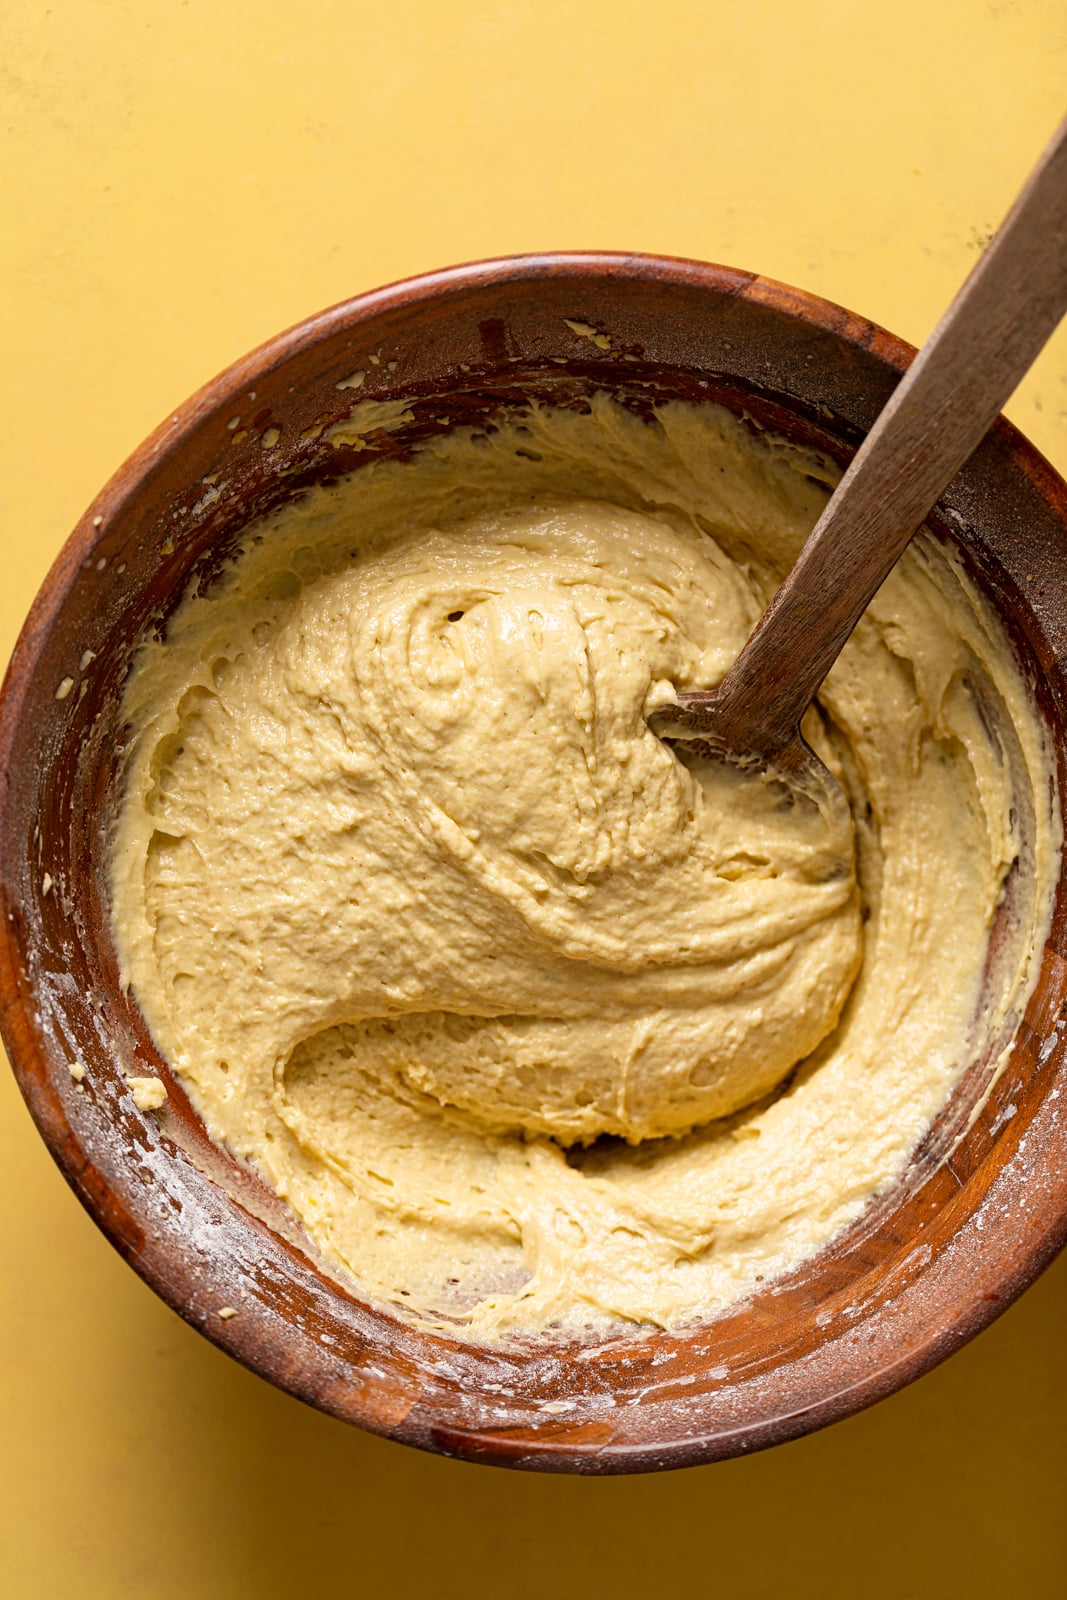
<point>178,182</point>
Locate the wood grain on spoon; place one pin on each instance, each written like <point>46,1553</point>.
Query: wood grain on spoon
<point>937,415</point>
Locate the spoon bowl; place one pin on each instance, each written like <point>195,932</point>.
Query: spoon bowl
<point>706,726</point>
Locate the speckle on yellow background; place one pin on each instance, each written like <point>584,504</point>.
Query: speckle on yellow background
<point>178,181</point>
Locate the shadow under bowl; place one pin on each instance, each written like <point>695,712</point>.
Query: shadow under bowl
<point>982,1206</point>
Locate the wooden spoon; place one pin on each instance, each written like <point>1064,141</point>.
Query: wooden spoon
<point>940,410</point>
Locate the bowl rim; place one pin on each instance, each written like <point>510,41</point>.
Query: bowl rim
<point>926,1346</point>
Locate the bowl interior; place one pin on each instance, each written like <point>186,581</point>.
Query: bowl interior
<point>983,1204</point>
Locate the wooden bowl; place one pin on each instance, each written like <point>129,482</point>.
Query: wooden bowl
<point>963,1231</point>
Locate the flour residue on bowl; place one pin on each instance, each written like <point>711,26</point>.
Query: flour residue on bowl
<point>530,1022</point>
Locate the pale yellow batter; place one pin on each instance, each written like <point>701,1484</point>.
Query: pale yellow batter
<point>419,907</point>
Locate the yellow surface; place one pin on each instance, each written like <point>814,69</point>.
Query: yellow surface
<point>177,182</point>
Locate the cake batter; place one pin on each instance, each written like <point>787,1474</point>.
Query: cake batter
<point>534,1023</point>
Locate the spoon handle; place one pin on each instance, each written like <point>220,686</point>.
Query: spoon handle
<point>940,410</point>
